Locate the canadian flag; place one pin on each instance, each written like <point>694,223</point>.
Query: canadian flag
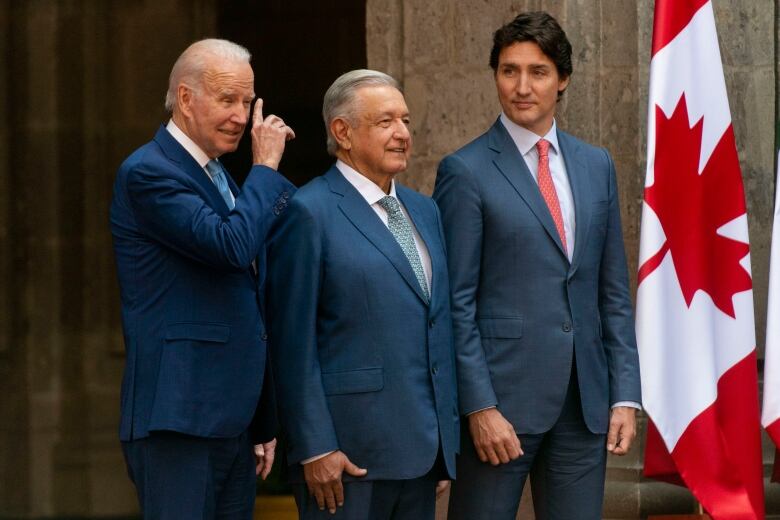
<point>770,417</point>
<point>695,301</point>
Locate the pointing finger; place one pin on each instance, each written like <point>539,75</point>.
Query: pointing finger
<point>257,118</point>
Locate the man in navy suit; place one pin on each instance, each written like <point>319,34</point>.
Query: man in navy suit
<point>190,256</point>
<point>359,313</point>
<point>548,373</point>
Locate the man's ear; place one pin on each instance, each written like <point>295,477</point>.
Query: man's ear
<point>342,132</point>
<point>184,98</point>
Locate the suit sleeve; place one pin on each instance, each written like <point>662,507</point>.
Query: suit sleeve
<point>294,277</point>
<point>615,309</point>
<point>171,212</point>
<point>459,201</point>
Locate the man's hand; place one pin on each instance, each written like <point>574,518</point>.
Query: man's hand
<point>622,429</point>
<point>494,438</point>
<point>264,458</point>
<point>441,487</point>
<point>268,137</point>
<point>323,478</point>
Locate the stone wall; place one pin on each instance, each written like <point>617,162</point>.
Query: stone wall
<point>439,49</point>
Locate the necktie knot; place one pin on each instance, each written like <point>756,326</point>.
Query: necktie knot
<point>390,204</point>
<point>542,146</point>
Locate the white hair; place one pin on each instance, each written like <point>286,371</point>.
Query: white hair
<point>192,64</point>
<point>339,100</point>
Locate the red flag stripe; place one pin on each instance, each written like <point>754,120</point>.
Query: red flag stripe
<point>671,17</point>
<point>652,263</point>
<point>719,454</point>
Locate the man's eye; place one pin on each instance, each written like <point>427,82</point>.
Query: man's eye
<point>384,123</point>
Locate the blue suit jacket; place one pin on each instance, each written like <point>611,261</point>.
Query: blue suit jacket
<point>520,308</point>
<point>362,362</point>
<point>194,335</point>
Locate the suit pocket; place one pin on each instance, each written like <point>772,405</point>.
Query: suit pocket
<point>208,332</point>
<point>501,328</point>
<point>353,381</point>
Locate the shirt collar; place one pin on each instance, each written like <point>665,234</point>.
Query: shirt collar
<point>183,139</point>
<point>526,140</point>
<point>365,186</point>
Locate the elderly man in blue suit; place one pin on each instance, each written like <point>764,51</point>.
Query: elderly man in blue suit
<point>547,365</point>
<point>359,313</point>
<point>189,249</point>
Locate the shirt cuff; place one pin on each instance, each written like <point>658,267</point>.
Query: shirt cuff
<point>480,410</point>
<point>316,457</point>
<point>629,404</point>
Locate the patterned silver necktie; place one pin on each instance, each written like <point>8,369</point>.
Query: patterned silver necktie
<point>402,231</point>
<point>219,180</point>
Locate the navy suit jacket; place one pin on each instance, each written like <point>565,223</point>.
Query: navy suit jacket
<point>194,335</point>
<point>521,310</point>
<point>363,363</point>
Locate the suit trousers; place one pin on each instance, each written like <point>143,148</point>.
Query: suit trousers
<point>412,499</point>
<point>567,466</point>
<point>181,476</point>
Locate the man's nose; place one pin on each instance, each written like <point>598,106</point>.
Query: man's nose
<point>523,85</point>
<point>240,114</point>
<point>402,131</point>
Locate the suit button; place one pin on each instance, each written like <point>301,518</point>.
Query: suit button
<point>431,323</point>
<point>434,369</point>
<point>566,326</point>
<point>264,337</point>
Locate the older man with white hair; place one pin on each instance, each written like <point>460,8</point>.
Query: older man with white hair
<point>197,417</point>
<point>359,312</point>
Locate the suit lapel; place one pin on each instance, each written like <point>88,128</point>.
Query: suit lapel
<point>363,217</point>
<point>512,166</point>
<point>176,153</point>
<point>580,188</point>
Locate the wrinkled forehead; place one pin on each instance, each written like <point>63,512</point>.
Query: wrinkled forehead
<point>225,75</point>
<point>374,100</point>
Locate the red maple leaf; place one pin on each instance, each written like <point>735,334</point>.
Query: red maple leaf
<point>691,208</point>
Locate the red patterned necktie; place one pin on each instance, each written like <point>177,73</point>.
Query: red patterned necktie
<point>546,186</point>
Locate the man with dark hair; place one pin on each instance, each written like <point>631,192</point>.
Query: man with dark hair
<point>548,371</point>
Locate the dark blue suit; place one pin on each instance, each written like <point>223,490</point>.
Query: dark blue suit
<point>524,315</point>
<point>363,363</point>
<point>194,335</point>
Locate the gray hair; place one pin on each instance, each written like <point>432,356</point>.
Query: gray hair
<point>340,97</point>
<point>192,64</point>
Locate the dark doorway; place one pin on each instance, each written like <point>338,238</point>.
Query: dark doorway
<point>298,48</point>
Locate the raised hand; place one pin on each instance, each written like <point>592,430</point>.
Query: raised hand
<point>269,136</point>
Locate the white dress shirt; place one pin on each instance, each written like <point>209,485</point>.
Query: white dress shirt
<point>193,149</point>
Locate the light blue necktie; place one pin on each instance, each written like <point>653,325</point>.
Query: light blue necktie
<point>402,231</point>
<point>220,181</point>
